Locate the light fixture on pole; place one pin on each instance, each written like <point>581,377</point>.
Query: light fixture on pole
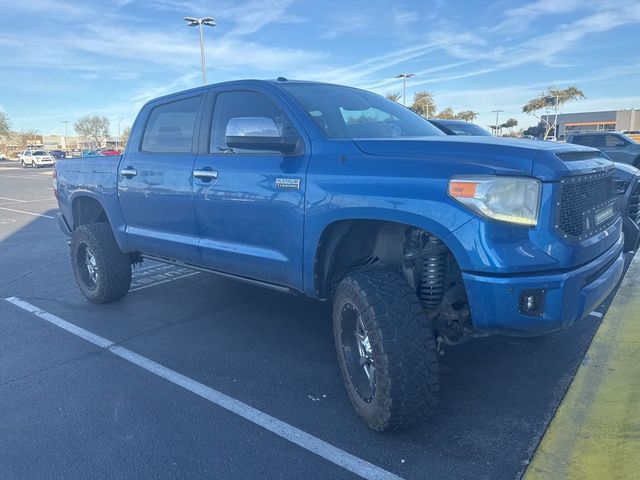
<point>404,77</point>
<point>200,22</point>
<point>497,112</point>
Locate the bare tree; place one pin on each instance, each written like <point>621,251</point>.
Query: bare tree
<point>466,115</point>
<point>93,127</point>
<point>423,104</point>
<point>394,97</point>
<point>26,137</point>
<point>550,102</point>
<point>124,138</point>
<point>5,125</point>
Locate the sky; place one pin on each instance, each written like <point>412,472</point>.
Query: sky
<point>62,59</point>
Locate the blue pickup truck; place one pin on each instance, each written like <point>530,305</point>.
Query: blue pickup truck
<point>418,239</point>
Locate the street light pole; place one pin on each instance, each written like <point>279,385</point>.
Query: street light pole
<point>497,112</point>
<point>404,77</point>
<point>66,132</point>
<point>200,22</point>
<point>118,137</point>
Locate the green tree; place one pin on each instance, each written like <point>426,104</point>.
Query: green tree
<point>509,124</point>
<point>549,103</point>
<point>423,104</point>
<point>466,115</point>
<point>394,97</point>
<point>95,128</point>
<point>447,114</point>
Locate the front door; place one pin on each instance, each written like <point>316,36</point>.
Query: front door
<point>155,180</point>
<point>250,204</point>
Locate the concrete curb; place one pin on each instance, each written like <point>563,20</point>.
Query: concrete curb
<point>595,433</point>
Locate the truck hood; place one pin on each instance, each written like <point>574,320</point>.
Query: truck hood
<point>548,161</point>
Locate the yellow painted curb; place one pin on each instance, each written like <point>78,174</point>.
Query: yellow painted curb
<point>595,433</point>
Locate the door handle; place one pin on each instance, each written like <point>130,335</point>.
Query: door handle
<point>206,174</point>
<point>129,172</point>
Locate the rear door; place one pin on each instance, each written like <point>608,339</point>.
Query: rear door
<point>250,209</point>
<point>155,179</point>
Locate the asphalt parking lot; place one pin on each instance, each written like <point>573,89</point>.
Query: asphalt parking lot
<point>72,409</point>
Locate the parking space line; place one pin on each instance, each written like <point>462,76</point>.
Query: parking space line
<point>164,281</point>
<point>12,199</point>
<point>52,199</point>
<point>26,213</point>
<point>296,436</point>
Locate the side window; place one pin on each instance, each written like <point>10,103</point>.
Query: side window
<point>586,140</point>
<point>615,141</point>
<point>170,127</point>
<point>242,109</point>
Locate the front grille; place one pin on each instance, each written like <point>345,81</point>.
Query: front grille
<point>583,199</point>
<point>633,209</point>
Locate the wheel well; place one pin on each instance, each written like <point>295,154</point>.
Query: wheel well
<point>87,210</point>
<point>425,262</point>
<point>345,245</point>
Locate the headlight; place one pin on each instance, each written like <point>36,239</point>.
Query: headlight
<point>507,199</point>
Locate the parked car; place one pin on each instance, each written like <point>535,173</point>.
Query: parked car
<point>459,127</point>
<point>36,159</point>
<point>89,152</point>
<point>628,189</point>
<point>3,157</point>
<point>58,154</point>
<point>110,152</point>
<point>617,146</point>
<point>419,239</point>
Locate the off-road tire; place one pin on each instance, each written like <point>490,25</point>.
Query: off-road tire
<point>112,265</point>
<point>403,348</point>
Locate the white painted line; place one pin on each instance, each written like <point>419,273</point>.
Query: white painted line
<point>299,437</point>
<point>26,213</point>
<point>163,281</point>
<point>12,199</point>
<point>52,199</point>
<point>597,314</point>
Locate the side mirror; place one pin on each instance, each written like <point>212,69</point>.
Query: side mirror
<point>258,133</point>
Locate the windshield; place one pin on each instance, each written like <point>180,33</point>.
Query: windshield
<point>40,152</point>
<point>467,129</point>
<point>344,112</point>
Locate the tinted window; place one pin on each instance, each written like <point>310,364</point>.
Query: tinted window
<point>615,141</point>
<point>246,108</point>
<point>343,112</point>
<point>589,140</point>
<point>467,129</point>
<point>170,127</point>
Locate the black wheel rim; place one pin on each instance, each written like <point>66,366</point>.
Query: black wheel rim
<point>358,352</point>
<point>87,266</point>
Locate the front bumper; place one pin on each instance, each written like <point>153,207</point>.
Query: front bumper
<point>569,296</point>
